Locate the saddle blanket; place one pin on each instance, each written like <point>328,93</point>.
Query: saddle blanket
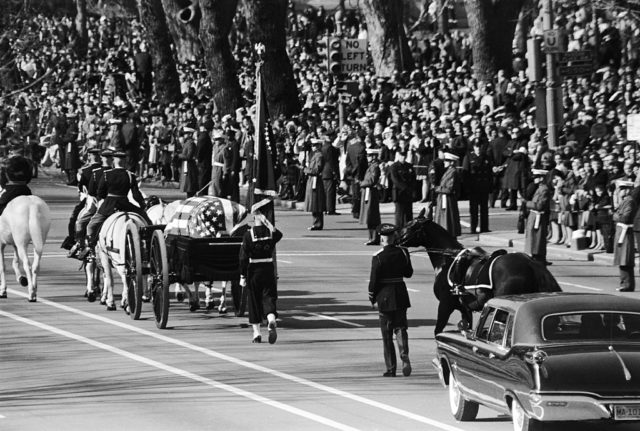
<point>205,217</point>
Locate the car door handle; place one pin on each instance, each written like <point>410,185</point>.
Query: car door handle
<point>491,356</point>
<point>475,349</point>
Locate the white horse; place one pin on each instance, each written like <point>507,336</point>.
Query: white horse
<point>116,238</point>
<point>26,219</point>
<point>162,213</point>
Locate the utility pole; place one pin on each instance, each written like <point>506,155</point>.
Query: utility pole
<point>553,82</point>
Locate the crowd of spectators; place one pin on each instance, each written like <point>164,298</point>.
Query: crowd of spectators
<point>69,106</point>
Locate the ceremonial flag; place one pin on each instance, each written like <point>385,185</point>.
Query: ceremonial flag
<point>206,217</point>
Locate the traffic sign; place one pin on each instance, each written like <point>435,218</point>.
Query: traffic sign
<point>553,41</point>
<point>633,127</point>
<point>345,98</point>
<point>575,63</point>
<point>353,56</point>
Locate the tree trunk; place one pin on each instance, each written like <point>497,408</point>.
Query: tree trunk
<point>215,24</point>
<point>166,79</point>
<point>443,17</point>
<point>266,22</point>
<point>524,25</point>
<point>82,39</point>
<point>492,24</point>
<point>387,38</point>
<point>185,36</point>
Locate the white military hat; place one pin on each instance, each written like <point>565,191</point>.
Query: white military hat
<point>539,172</point>
<point>451,157</point>
<point>624,183</point>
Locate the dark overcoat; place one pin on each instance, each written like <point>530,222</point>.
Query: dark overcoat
<point>370,200</point>
<point>314,199</point>
<point>189,174</point>
<point>447,213</point>
<point>623,243</point>
<point>535,242</point>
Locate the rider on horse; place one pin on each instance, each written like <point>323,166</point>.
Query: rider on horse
<point>15,174</point>
<point>112,193</point>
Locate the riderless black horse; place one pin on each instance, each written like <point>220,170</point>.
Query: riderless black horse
<point>496,274</point>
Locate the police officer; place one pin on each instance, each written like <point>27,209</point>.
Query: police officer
<point>388,290</point>
<point>15,174</point>
<point>77,222</point>
<point>113,191</point>
<point>314,198</point>
<point>257,272</point>
<point>535,243</point>
<point>370,200</point>
<point>403,179</point>
<point>623,243</point>
<point>448,191</point>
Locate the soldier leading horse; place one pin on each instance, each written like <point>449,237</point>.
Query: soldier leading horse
<point>497,275</point>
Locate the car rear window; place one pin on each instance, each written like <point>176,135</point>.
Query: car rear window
<point>591,325</point>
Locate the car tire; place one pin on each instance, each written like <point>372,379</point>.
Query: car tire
<point>522,422</point>
<point>462,410</point>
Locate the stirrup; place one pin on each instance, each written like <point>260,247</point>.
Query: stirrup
<point>458,290</point>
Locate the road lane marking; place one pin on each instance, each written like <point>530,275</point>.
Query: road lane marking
<point>581,286</point>
<point>212,353</point>
<point>182,373</point>
<point>412,290</point>
<point>335,319</point>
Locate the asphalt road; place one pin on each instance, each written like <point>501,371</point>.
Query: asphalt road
<point>67,364</point>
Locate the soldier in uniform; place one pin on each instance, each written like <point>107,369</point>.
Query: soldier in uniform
<point>356,165</point>
<point>257,272</point>
<point>232,165</point>
<point>624,250</point>
<point>403,179</point>
<point>477,165</point>
<point>217,187</point>
<point>189,176</point>
<point>113,190</point>
<point>387,288</point>
<point>538,219</point>
<point>447,214</point>
<point>370,199</point>
<point>314,199</point>
<point>76,225</point>
<point>15,174</point>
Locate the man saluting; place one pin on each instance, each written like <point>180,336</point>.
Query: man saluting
<point>387,288</point>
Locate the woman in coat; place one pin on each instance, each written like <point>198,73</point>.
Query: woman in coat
<point>623,243</point>
<point>314,199</point>
<point>189,175</point>
<point>370,199</point>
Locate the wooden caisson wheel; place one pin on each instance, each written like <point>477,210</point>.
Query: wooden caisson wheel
<point>159,271</point>
<point>133,270</point>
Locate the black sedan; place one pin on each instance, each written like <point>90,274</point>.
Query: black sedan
<point>546,357</point>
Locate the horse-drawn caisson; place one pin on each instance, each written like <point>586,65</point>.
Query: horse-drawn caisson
<point>195,240</point>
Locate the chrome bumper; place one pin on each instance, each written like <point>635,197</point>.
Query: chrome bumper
<point>436,364</point>
<point>546,407</point>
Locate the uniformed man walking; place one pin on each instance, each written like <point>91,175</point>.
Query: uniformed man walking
<point>535,242</point>
<point>388,290</point>
<point>623,243</point>
<point>403,179</point>
<point>257,272</point>
<point>448,191</point>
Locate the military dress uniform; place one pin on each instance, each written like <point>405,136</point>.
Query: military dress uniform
<point>370,201</point>
<point>623,243</point>
<point>217,187</point>
<point>387,288</point>
<point>314,199</point>
<point>113,189</point>
<point>256,260</point>
<point>403,179</point>
<point>189,177</point>
<point>535,243</point>
<point>15,174</point>
<point>447,213</point>
<point>87,210</point>
<point>480,182</point>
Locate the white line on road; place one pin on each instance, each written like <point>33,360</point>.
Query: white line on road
<point>335,319</point>
<point>412,290</point>
<point>250,365</point>
<point>581,286</point>
<point>183,373</point>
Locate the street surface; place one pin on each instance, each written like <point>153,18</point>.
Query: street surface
<point>67,364</point>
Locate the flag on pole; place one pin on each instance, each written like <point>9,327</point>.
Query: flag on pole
<point>266,169</point>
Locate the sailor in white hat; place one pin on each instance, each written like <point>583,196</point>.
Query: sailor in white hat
<point>623,243</point>
<point>538,219</point>
<point>257,271</point>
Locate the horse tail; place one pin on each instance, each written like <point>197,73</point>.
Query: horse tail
<point>39,223</point>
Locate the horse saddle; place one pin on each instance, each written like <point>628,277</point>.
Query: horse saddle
<point>473,268</point>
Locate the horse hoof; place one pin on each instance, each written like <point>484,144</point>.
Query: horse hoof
<point>111,307</point>
<point>86,295</point>
<point>146,298</point>
<point>3,295</point>
<point>33,299</point>
<point>195,306</point>
<point>126,310</point>
<point>222,310</point>
<point>210,306</point>
<point>23,281</point>
<point>180,297</point>
<point>103,301</point>
<point>91,296</point>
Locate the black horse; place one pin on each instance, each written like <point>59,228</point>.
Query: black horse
<point>511,273</point>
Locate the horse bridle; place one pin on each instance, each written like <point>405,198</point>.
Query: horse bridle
<point>443,251</point>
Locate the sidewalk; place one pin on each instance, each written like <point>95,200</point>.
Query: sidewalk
<point>503,239</point>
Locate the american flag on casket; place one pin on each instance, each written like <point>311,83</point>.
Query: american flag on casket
<point>206,217</point>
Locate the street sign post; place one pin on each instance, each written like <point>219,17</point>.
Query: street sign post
<point>633,132</point>
<point>553,41</point>
<point>575,63</point>
<point>353,56</point>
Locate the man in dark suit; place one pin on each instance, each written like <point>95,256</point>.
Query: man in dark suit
<point>356,166</point>
<point>387,288</point>
<point>478,167</point>
<point>131,139</point>
<point>144,77</point>
<point>204,151</point>
<point>403,178</point>
<point>330,174</point>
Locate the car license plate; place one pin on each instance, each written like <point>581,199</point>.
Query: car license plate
<point>626,412</point>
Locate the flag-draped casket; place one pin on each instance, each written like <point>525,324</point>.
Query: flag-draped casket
<point>203,239</point>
